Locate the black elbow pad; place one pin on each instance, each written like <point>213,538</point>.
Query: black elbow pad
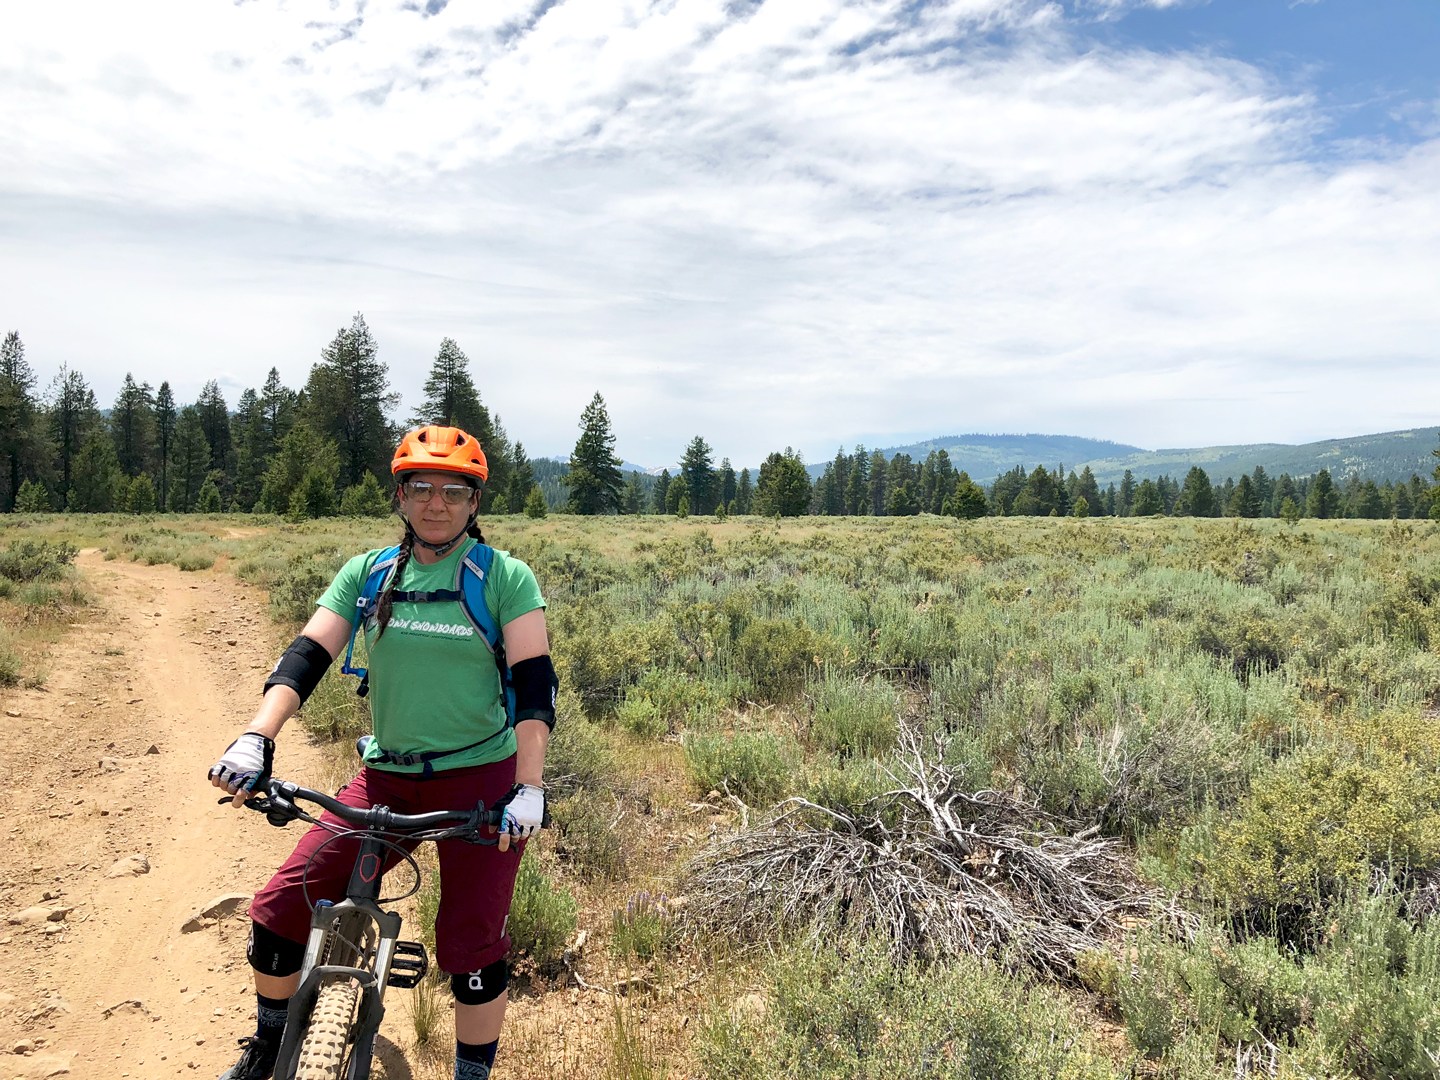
<point>535,685</point>
<point>300,667</point>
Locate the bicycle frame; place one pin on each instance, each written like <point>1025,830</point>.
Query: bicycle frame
<point>355,940</point>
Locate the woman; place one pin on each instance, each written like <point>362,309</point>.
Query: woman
<point>442,742</point>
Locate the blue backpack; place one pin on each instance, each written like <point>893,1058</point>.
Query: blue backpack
<point>471,577</point>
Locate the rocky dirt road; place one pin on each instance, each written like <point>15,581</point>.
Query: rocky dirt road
<point>113,842</point>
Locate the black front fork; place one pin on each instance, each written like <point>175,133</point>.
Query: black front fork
<point>353,940</point>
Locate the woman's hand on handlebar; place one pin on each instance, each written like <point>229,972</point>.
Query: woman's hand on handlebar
<point>244,766</point>
<point>523,813</point>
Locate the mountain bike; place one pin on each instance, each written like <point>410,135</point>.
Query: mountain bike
<point>354,951</point>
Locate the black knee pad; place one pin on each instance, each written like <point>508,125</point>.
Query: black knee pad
<point>271,954</point>
<point>478,987</point>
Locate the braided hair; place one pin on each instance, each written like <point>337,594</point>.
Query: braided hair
<point>407,547</point>
<point>387,600</point>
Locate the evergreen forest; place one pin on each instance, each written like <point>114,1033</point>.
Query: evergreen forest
<point>323,450</point>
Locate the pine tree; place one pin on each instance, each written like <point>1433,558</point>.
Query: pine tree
<point>662,490</point>
<point>697,469</point>
<point>831,499</point>
<point>301,449</point>
<point>97,476</point>
<point>1040,497</point>
<point>878,481</point>
<point>165,419</point>
<point>1322,500</point>
<point>1125,500</point>
<point>142,495</point>
<point>596,484</point>
<point>675,494</point>
<point>1007,489</point>
<point>72,416</point>
<point>1197,496</point>
<point>1088,488</point>
<point>208,501</point>
<point>346,399</point>
<point>252,450</point>
<point>634,495</point>
<point>727,483</point>
<point>215,422</point>
<point>521,478</point>
<point>857,486</point>
<point>1404,505</point>
<point>1148,499</point>
<point>33,498</point>
<point>783,486</point>
<point>968,501</point>
<point>365,499</point>
<point>744,494</point>
<point>277,408</point>
<point>20,446</point>
<point>132,425</point>
<point>826,497</point>
<point>902,501</point>
<point>190,462</point>
<point>1245,502</point>
<point>451,400</point>
<point>941,482</point>
<point>314,496</point>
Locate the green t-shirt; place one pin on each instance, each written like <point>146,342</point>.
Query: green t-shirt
<point>433,680</point>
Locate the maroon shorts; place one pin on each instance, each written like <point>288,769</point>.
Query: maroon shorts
<point>476,881</point>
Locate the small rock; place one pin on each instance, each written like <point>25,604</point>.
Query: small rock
<point>29,915</point>
<point>24,1046</point>
<point>12,712</point>
<point>222,907</point>
<point>109,764</point>
<point>130,866</point>
<point>232,641</point>
<point>153,749</point>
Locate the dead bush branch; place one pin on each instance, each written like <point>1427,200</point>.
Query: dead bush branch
<point>933,868</point>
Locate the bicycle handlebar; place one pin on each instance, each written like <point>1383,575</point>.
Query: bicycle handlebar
<point>277,803</point>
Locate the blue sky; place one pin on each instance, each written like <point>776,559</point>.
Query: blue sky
<point>1372,65</point>
<point>803,223</point>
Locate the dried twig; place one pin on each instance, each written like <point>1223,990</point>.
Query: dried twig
<point>935,869</point>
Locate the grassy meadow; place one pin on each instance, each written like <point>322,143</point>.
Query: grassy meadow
<point>1006,798</point>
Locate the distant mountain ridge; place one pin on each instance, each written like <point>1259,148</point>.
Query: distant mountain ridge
<point>1389,455</point>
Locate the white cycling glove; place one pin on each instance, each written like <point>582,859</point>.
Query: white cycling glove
<point>524,811</point>
<point>245,763</point>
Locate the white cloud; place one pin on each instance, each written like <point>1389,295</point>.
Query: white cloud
<point>767,223</point>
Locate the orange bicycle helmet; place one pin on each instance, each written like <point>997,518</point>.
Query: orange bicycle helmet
<point>442,449</point>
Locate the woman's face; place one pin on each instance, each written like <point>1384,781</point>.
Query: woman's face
<point>425,502</point>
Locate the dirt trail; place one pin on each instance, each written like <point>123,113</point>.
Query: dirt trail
<point>107,764</point>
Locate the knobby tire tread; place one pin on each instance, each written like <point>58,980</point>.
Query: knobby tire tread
<point>327,1036</point>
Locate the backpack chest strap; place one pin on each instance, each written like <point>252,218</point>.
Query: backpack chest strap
<point>432,596</point>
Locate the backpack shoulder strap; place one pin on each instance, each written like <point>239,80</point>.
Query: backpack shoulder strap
<point>365,605</point>
<point>473,579</point>
<point>473,576</point>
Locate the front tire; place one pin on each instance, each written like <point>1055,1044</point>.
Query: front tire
<point>326,1041</point>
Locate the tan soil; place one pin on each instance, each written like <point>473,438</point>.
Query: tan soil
<point>115,988</point>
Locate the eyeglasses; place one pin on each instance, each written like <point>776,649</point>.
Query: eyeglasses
<point>423,491</point>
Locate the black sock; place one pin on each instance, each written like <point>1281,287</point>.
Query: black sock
<point>270,1017</point>
<point>474,1062</point>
